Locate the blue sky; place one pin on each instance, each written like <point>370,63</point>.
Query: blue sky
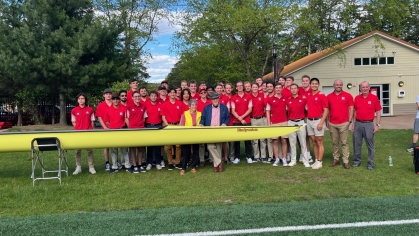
<point>163,60</point>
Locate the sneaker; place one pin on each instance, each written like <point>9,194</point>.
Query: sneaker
<point>182,172</point>
<point>249,160</point>
<point>148,167</point>
<point>136,170</point>
<point>270,159</point>
<point>119,165</point>
<point>236,161</point>
<point>158,167</point>
<point>307,165</point>
<point>310,160</point>
<point>162,164</point>
<point>318,165</point>
<point>370,168</point>
<point>301,158</point>
<point>288,156</point>
<point>292,163</point>
<point>410,150</point>
<point>142,169</point>
<point>107,167</point>
<point>276,163</point>
<point>264,160</point>
<point>77,171</point>
<point>129,170</point>
<point>111,171</point>
<point>255,160</point>
<point>315,163</point>
<point>171,167</point>
<point>284,162</point>
<point>178,166</point>
<point>92,171</point>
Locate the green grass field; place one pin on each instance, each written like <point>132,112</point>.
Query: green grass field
<point>244,196</point>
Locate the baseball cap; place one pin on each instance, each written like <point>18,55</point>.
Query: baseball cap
<point>107,90</point>
<point>115,96</point>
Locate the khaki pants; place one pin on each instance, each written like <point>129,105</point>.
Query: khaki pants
<point>215,150</point>
<point>259,153</point>
<point>90,158</point>
<point>301,134</point>
<point>339,134</point>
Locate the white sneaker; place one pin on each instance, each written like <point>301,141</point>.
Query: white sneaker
<point>92,171</point>
<point>249,160</point>
<point>148,167</point>
<point>315,163</point>
<point>236,161</point>
<point>292,163</point>
<point>307,165</point>
<point>162,164</point>
<point>276,163</point>
<point>318,166</point>
<point>159,167</point>
<point>288,156</point>
<point>284,162</point>
<point>310,160</point>
<point>77,171</point>
<point>270,159</point>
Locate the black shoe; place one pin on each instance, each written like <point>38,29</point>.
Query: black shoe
<point>178,166</point>
<point>170,167</point>
<point>356,165</point>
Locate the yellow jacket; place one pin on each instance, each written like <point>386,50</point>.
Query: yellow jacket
<point>188,118</point>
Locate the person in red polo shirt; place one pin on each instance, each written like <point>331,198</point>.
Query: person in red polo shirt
<point>270,92</point>
<point>133,84</point>
<point>171,113</point>
<point>136,115</point>
<point>143,95</point>
<point>296,106</point>
<point>276,114</point>
<point>367,107</point>
<point>115,118</point>
<point>341,110</point>
<point>241,108</point>
<point>162,94</point>
<point>154,120</point>
<point>100,113</point>
<point>317,111</point>
<point>257,118</point>
<point>305,90</point>
<point>192,88</point>
<point>82,117</point>
<point>286,91</point>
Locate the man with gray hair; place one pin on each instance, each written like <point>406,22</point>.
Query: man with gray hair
<point>341,110</point>
<point>366,106</point>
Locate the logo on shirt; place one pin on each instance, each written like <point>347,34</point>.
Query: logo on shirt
<point>300,101</point>
<point>177,107</point>
<point>78,114</point>
<point>343,98</point>
<point>274,101</point>
<point>87,112</point>
<point>315,99</point>
<point>369,102</point>
<point>260,99</point>
<point>133,109</point>
<point>158,109</point>
<point>120,113</point>
<point>237,100</point>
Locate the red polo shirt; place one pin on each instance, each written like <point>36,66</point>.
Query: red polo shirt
<point>161,101</point>
<point>224,99</point>
<point>172,111</point>
<point>286,92</point>
<point>153,113</point>
<point>83,116</point>
<point>101,110</point>
<point>258,103</point>
<point>202,104</point>
<point>303,92</point>
<point>144,101</point>
<point>296,107</point>
<point>116,116</point>
<point>338,107</point>
<point>241,105</point>
<point>196,96</point>
<point>366,107</point>
<point>136,115</point>
<point>277,108</point>
<point>315,105</point>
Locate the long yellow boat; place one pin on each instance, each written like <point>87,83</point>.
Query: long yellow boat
<point>71,139</point>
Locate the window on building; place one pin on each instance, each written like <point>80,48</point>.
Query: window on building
<point>357,61</point>
<point>390,60</point>
<point>383,60</point>
<point>374,61</point>
<point>367,61</point>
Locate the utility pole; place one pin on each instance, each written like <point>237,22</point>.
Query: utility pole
<point>274,56</point>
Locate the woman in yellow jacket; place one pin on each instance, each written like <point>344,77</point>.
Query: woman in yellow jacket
<point>191,117</point>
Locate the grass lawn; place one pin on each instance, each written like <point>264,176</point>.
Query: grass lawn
<point>238,184</point>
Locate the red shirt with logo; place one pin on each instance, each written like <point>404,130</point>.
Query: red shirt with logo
<point>202,104</point>
<point>136,115</point>
<point>241,104</point>
<point>277,108</point>
<point>303,92</point>
<point>172,111</point>
<point>130,100</point>
<point>101,110</point>
<point>259,104</point>
<point>196,96</point>
<point>224,99</point>
<point>153,113</point>
<point>83,117</point>
<point>315,105</point>
<point>366,107</point>
<point>286,92</point>
<point>116,116</point>
<point>296,107</point>
<point>145,100</point>
<point>338,107</point>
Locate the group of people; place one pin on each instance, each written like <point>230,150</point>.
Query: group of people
<point>258,103</point>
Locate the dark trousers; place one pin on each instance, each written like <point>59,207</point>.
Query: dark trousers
<point>363,131</point>
<point>186,155</point>
<point>153,151</point>
<point>247,146</point>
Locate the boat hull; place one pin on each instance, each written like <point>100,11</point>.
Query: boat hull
<point>72,139</point>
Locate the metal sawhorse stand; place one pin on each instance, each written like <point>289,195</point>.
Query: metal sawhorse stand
<point>41,145</point>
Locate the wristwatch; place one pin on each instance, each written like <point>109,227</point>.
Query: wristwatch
<point>378,125</point>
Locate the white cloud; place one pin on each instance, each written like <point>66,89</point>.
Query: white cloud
<point>162,45</point>
<point>166,26</point>
<point>159,67</point>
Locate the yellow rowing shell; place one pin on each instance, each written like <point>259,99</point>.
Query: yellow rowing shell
<point>72,139</point>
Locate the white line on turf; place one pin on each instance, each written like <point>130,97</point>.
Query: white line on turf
<point>298,228</point>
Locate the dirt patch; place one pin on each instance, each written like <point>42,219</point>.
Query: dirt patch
<point>40,128</point>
